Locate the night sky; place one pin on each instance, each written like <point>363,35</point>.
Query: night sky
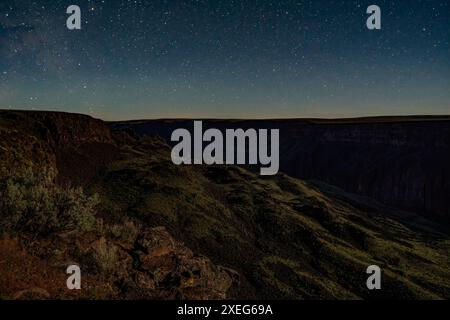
<point>228,58</point>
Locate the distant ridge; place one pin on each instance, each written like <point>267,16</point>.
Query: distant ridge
<point>358,119</point>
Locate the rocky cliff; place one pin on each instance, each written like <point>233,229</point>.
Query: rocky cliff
<point>403,164</point>
<point>76,145</point>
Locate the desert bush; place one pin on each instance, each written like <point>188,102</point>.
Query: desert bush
<point>32,201</point>
<point>105,256</point>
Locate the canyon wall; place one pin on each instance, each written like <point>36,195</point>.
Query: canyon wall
<point>404,164</point>
<point>75,145</point>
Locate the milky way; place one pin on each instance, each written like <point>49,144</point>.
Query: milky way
<point>145,59</point>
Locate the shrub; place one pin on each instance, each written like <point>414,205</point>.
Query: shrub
<point>31,201</point>
<point>105,256</point>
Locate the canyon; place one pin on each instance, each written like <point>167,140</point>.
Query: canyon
<point>399,161</point>
<point>164,231</point>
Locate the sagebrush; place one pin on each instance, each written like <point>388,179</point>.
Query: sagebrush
<point>32,201</point>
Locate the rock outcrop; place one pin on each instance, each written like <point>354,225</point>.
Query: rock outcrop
<point>74,144</point>
<point>169,270</point>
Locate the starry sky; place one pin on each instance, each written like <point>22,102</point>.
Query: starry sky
<point>226,59</point>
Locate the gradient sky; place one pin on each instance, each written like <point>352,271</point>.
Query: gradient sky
<point>259,59</point>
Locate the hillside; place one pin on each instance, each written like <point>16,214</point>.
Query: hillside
<point>399,161</point>
<point>165,232</point>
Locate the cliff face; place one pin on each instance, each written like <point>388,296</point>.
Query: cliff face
<point>400,161</point>
<point>401,164</point>
<point>72,129</point>
<point>76,145</point>
<point>57,128</point>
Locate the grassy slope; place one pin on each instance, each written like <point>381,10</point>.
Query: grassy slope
<point>288,238</point>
